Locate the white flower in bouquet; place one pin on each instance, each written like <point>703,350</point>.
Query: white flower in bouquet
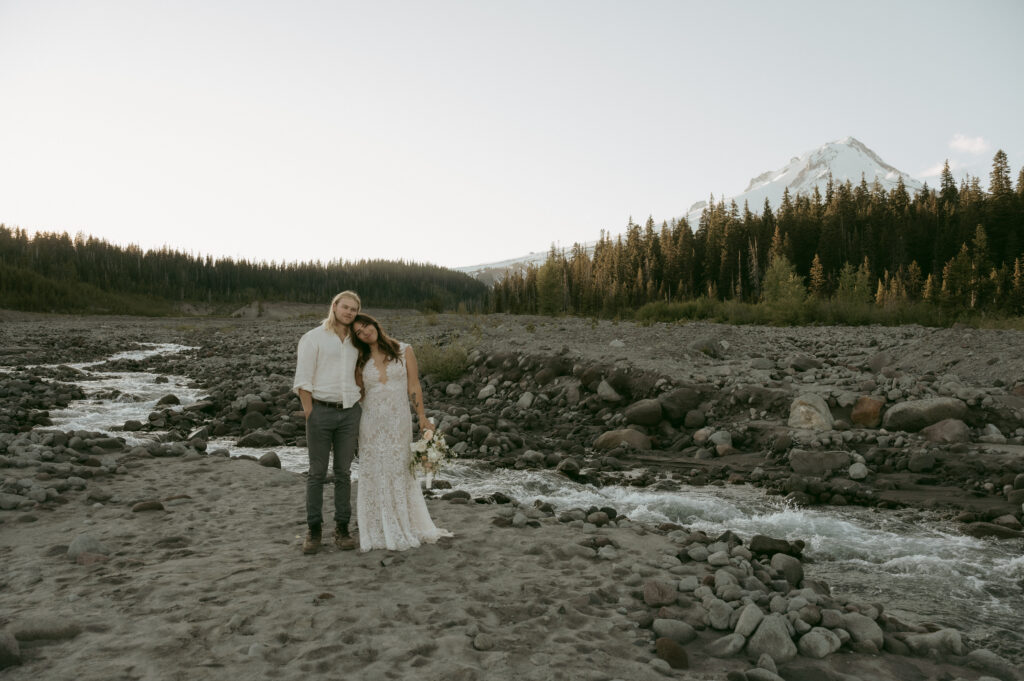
<point>429,454</point>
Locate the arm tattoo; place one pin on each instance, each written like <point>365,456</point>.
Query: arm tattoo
<point>415,400</point>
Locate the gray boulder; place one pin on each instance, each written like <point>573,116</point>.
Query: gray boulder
<point>614,438</point>
<point>947,431</point>
<point>261,438</point>
<point>810,412</point>
<point>772,637</point>
<point>270,460</point>
<point>863,628</point>
<point>987,661</point>
<point>819,642</point>
<point>789,566</point>
<point>644,412</point>
<point>676,404</point>
<point>944,641</point>
<point>750,617</point>
<point>917,414</point>
<point>727,646</point>
<point>607,393</point>
<point>677,630</point>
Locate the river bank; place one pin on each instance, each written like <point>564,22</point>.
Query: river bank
<point>244,367</point>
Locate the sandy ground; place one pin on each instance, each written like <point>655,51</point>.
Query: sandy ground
<point>214,586</point>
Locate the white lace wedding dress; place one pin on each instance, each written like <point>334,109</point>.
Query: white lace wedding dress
<point>390,510</point>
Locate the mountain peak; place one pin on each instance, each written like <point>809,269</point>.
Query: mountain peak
<point>843,159</point>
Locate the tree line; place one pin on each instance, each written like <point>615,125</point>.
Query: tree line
<point>957,247</point>
<point>52,272</point>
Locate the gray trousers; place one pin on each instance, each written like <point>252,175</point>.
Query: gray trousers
<point>327,429</point>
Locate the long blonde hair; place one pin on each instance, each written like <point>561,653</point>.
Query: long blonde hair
<point>331,322</point>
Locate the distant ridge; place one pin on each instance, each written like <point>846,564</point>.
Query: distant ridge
<point>845,159</point>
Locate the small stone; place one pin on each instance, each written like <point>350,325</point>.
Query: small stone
<point>85,543</point>
<point>152,505</point>
<point>483,642</point>
<point>270,460</point>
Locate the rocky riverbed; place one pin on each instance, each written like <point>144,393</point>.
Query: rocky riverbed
<point>883,417</point>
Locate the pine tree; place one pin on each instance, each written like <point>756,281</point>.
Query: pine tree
<point>817,279</point>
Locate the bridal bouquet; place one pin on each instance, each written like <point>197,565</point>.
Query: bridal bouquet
<point>429,454</point>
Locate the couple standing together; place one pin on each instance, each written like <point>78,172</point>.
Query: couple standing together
<point>355,384</point>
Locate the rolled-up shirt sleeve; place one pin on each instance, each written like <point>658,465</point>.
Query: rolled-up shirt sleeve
<point>305,364</point>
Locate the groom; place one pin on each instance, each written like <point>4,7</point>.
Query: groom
<point>325,381</point>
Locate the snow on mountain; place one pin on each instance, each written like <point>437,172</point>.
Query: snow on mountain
<point>845,159</point>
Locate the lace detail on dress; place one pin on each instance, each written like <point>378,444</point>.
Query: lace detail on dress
<point>390,510</point>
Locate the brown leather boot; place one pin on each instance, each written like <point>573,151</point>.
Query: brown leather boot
<point>343,540</point>
<point>312,543</point>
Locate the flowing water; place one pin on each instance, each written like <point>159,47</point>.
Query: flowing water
<point>922,570</point>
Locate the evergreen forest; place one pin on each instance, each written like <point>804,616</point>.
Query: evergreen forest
<point>50,272</point>
<point>858,254</point>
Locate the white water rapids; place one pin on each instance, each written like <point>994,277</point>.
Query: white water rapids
<point>921,570</point>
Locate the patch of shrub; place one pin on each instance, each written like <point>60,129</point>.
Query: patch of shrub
<point>443,362</point>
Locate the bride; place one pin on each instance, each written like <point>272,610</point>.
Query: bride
<point>390,510</point>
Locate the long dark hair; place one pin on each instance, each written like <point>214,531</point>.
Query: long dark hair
<point>388,345</point>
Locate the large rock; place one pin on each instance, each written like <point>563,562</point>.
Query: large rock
<point>270,460</point>
<point>944,641</point>
<point>981,530</point>
<point>614,438</point>
<point>676,404</point>
<point>947,431</point>
<point>261,438</point>
<point>607,393</point>
<point>254,420</point>
<point>644,412</point>
<point>917,414</point>
<point>815,463</point>
<point>761,544</point>
<point>810,412</point>
<point>819,642</point>
<point>992,663</point>
<point>772,637</point>
<point>677,630</point>
<point>867,412</point>
<point>9,502</point>
<point>750,617</point>
<point>790,567</point>
<point>727,646</point>
<point>863,628</point>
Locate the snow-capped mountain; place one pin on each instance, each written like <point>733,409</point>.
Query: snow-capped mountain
<point>845,159</point>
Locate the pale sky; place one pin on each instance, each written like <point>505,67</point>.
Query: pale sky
<point>467,132</point>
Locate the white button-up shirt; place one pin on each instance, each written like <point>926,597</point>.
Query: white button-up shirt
<point>326,367</point>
